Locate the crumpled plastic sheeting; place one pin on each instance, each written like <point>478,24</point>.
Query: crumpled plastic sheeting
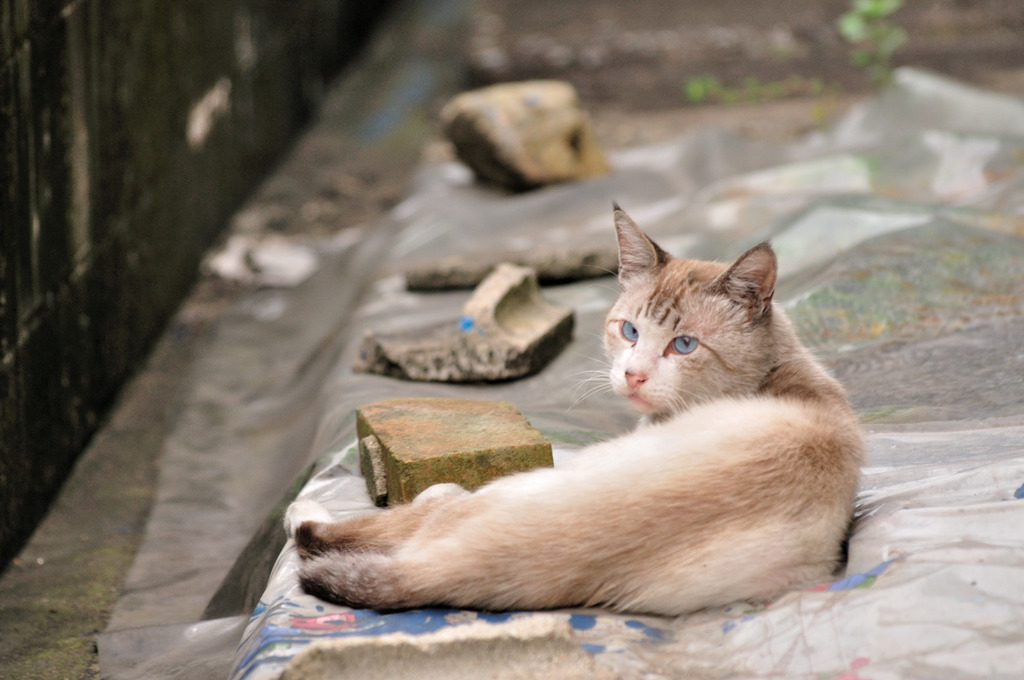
<point>926,180</point>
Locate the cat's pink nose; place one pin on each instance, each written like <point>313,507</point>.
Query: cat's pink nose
<point>635,379</point>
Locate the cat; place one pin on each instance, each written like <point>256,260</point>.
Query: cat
<point>738,484</point>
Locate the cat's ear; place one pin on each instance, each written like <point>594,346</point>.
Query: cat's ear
<point>637,253</point>
<point>750,281</point>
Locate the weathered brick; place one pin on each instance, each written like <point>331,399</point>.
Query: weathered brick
<point>433,441</point>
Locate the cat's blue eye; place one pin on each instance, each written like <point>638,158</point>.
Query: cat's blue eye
<point>684,344</point>
<point>629,332</point>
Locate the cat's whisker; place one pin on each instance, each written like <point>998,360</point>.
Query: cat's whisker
<point>589,386</point>
<point>606,270</point>
<point>589,383</point>
<point>582,396</point>
<point>685,399</point>
<point>574,405</point>
<point>592,386</point>
<point>611,288</point>
<point>591,372</point>
<point>598,360</point>
<point>597,389</point>
<point>595,382</point>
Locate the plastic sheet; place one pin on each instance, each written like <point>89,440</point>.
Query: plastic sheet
<point>899,234</point>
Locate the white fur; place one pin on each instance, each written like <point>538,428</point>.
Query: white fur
<point>304,511</point>
<point>447,490</point>
<point>555,507</point>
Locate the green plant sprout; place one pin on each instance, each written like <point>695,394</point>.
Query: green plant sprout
<point>702,89</point>
<point>706,89</point>
<point>866,26</point>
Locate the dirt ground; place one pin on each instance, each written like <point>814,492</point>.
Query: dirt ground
<point>639,56</point>
<point>783,62</point>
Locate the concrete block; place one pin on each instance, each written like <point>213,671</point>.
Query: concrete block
<point>538,646</point>
<point>523,135</point>
<point>507,331</point>
<point>407,445</point>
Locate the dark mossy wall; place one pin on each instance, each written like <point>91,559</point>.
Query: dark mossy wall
<point>129,131</point>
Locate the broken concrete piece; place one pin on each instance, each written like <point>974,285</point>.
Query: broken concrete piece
<point>553,264</point>
<point>273,261</point>
<point>416,443</point>
<point>523,135</point>
<point>507,331</point>
<point>537,646</point>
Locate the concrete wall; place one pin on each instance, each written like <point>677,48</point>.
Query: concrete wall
<point>129,130</point>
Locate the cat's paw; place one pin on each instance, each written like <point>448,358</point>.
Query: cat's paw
<point>304,511</point>
<point>446,490</point>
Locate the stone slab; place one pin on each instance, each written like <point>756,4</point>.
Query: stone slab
<point>553,265</point>
<point>426,441</point>
<point>535,647</point>
<point>524,135</point>
<point>507,331</point>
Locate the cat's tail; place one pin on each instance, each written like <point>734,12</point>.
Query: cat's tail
<point>362,580</point>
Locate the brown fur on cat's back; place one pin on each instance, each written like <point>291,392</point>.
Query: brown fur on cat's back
<point>739,486</point>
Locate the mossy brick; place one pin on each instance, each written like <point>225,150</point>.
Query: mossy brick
<point>432,441</point>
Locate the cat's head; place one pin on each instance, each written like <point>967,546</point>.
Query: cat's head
<point>683,332</point>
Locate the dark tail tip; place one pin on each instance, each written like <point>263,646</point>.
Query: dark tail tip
<point>357,580</point>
